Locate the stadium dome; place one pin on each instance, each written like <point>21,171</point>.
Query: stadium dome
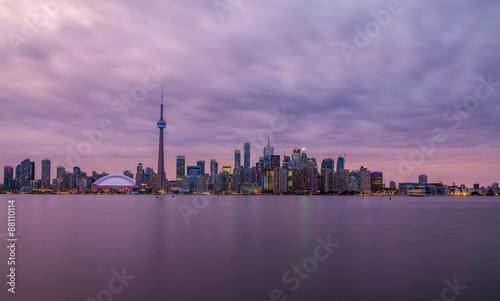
<point>115,181</point>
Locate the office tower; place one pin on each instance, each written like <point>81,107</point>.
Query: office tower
<point>422,179</point>
<point>476,186</point>
<point>376,182</point>
<point>238,178</point>
<point>274,161</point>
<point>286,160</point>
<point>296,157</point>
<point>161,124</point>
<point>139,167</point>
<point>201,164</point>
<point>327,175</point>
<point>237,158</point>
<point>494,186</point>
<point>193,172</point>
<point>180,167</point>
<point>61,171</point>
<point>353,180</point>
<point>214,169</point>
<point>201,184</point>
<point>8,174</point>
<point>392,185</point>
<point>303,158</point>
<point>342,180</point>
<point>45,173</point>
<point>129,174</point>
<point>26,172</point>
<point>364,180</point>
<point>268,150</point>
<point>227,169</point>
<point>77,172</point>
<point>251,175</point>
<point>246,150</point>
<point>340,163</point>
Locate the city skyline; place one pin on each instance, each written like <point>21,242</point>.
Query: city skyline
<point>264,61</point>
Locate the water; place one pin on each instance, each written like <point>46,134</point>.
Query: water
<point>239,248</point>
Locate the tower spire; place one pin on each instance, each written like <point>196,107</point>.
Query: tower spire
<point>161,165</point>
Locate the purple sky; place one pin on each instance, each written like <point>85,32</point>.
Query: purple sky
<point>66,72</point>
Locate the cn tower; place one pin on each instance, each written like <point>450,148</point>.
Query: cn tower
<point>161,165</point>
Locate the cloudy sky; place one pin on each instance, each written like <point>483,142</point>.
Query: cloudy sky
<point>405,87</point>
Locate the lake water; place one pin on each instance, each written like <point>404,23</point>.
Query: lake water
<point>253,248</point>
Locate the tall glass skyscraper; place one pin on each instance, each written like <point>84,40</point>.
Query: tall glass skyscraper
<point>201,164</point>
<point>340,163</point>
<point>181,167</point>
<point>213,170</point>
<point>45,173</point>
<point>246,150</point>
<point>8,174</point>
<point>237,158</point>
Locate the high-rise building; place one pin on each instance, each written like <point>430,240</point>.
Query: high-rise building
<point>476,186</point>
<point>392,185</point>
<point>139,167</point>
<point>26,173</point>
<point>214,169</point>
<point>296,157</point>
<point>342,180</point>
<point>268,150</point>
<point>193,172</point>
<point>227,169</point>
<point>353,180</point>
<point>327,175</point>
<point>422,179</point>
<point>201,164</point>
<point>180,167</point>
<point>8,175</point>
<point>364,180</point>
<point>340,163</point>
<point>494,186</point>
<point>238,178</point>
<point>45,173</point>
<point>61,171</point>
<point>128,173</point>
<point>237,158</point>
<point>161,178</point>
<point>376,182</point>
<point>246,150</point>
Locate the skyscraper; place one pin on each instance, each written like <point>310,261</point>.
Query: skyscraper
<point>422,179</point>
<point>237,158</point>
<point>8,174</point>
<point>296,157</point>
<point>161,124</point>
<point>201,164</point>
<point>26,172</point>
<point>340,163</point>
<point>376,182</point>
<point>213,170</point>
<point>268,150</point>
<point>61,171</point>
<point>180,167</point>
<point>246,150</point>
<point>45,173</point>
